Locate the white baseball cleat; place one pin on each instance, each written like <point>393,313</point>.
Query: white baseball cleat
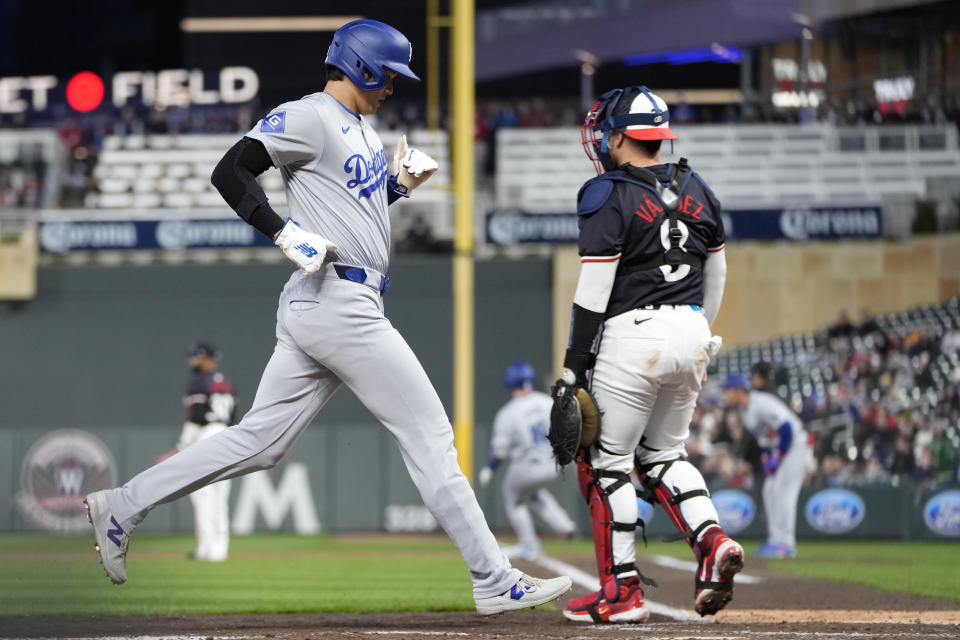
<point>528,592</point>
<point>111,540</point>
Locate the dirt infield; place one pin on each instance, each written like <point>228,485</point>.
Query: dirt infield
<point>535,625</point>
<point>766,606</point>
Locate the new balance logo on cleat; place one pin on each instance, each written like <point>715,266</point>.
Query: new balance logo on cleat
<point>113,534</point>
<point>526,592</point>
<point>518,591</point>
<point>306,250</point>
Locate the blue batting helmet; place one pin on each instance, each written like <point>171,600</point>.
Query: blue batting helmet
<point>370,45</point>
<point>518,375</point>
<point>736,380</point>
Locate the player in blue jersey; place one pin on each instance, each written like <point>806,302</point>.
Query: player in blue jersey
<point>520,436</point>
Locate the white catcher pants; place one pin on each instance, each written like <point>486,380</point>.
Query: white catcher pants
<point>332,332</point>
<point>648,374</point>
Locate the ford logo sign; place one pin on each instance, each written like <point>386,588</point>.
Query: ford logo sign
<point>941,514</point>
<point>835,511</point>
<point>735,508</point>
<point>644,511</point>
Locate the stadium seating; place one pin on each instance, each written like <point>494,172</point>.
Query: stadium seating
<point>542,169</point>
<point>809,362</point>
<point>173,171</point>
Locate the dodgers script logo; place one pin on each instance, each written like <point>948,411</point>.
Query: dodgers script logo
<point>941,514</point>
<point>368,174</point>
<point>835,511</point>
<point>735,508</point>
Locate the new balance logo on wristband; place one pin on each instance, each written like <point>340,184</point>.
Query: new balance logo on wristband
<point>306,250</point>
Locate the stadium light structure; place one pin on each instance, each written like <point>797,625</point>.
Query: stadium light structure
<point>243,24</point>
<point>589,64</point>
<point>716,52</point>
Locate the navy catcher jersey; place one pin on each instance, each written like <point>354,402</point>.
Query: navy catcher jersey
<point>209,398</point>
<point>621,215</point>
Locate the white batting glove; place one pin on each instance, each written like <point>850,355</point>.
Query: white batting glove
<point>413,166</point>
<point>484,477</point>
<point>308,250</point>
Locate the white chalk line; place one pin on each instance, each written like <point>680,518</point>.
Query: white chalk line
<point>416,633</point>
<point>687,565</point>
<point>590,583</point>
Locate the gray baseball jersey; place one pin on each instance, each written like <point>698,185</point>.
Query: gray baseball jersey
<point>764,415</point>
<point>335,173</point>
<point>520,430</point>
<point>520,434</point>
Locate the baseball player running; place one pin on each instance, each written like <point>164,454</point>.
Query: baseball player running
<point>331,329</point>
<point>785,453</point>
<point>209,405</point>
<point>520,435</point>
<point>651,279</point>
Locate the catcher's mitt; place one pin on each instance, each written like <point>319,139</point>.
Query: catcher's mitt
<point>574,421</point>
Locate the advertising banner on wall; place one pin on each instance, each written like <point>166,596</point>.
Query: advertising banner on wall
<point>797,223</point>
<point>63,236</point>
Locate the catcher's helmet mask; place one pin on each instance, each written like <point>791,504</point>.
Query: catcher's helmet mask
<point>363,49</point>
<point>647,119</point>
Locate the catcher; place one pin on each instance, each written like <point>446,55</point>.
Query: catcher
<point>651,279</point>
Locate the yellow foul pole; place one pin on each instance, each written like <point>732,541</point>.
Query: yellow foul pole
<point>462,100</point>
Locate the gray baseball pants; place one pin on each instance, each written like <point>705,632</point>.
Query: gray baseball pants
<point>332,332</point>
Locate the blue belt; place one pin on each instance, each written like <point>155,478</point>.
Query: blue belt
<point>654,307</point>
<point>369,277</point>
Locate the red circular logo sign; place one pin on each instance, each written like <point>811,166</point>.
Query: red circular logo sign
<point>85,91</point>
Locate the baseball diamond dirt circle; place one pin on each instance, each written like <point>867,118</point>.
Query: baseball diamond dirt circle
<point>768,607</point>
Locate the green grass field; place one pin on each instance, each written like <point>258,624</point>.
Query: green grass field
<point>50,575</point>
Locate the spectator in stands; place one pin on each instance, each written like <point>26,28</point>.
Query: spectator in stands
<point>868,323</point>
<point>842,327</point>
<point>943,454</point>
<point>902,464</point>
<point>835,471</point>
<point>950,343</point>
<point>760,376</point>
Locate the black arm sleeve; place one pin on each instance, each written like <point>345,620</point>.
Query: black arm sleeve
<point>235,179</point>
<point>584,328</point>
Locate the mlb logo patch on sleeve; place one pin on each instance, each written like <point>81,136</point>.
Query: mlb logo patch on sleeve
<point>273,123</point>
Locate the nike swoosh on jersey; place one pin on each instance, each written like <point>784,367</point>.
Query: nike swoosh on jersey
<point>640,320</point>
<point>344,129</point>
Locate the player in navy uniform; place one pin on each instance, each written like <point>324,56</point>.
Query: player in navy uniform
<point>209,405</point>
<point>652,273</point>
